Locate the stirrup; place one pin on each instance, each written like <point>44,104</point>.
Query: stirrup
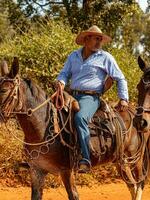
<point>84,168</point>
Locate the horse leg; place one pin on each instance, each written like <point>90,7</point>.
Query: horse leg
<point>132,188</point>
<point>69,183</point>
<point>37,183</point>
<point>141,162</point>
<point>139,191</point>
<point>136,189</point>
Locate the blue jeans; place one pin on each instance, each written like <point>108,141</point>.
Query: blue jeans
<point>88,106</point>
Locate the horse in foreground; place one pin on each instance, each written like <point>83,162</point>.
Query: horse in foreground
<point>50,149</point>
<point>142,117</point>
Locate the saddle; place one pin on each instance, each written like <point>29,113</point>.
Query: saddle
<point>103,131</point>
<point>102,127</point>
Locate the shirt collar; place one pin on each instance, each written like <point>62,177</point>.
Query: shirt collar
<point>79,52</point>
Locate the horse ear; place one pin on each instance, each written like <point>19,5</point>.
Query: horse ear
<point>14,68</point>
<point>141,63</point>
<point>4,68</point>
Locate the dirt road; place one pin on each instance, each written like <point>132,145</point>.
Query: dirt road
<point>111,191</point>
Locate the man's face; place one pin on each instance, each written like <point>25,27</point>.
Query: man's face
<point>93,42</point>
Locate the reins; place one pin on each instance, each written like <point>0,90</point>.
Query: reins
<point>58,98</point>
<point>44,142</point>
<point>30,111</point>
<point>125,161</point>
<point>59,105</point>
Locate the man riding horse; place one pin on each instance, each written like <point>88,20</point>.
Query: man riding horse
<point>44,147</point>
<point>87,68</point>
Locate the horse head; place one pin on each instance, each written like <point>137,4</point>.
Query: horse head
<point>142,118</point>
<point>9,88</point>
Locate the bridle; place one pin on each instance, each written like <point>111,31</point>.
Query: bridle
<point>14,97</point>
<point>141,109</point>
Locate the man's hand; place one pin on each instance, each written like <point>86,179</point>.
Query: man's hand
<point>57,98</point>
<point>122,105</point>
<point>58,84</point>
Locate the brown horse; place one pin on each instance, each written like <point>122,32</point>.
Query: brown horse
<point>142,119</point>
<point>48,150</point>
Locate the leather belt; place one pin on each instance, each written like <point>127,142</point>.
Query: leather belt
<point>86,92</point>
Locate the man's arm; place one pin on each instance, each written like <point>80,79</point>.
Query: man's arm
<point>65,73</point>
<point>114,71</point>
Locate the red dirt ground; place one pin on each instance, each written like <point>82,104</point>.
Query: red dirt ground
<point>112,191</point>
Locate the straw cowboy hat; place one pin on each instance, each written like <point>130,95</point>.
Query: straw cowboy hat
<point>93,30</point>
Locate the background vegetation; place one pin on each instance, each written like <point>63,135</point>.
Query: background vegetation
<point>42,34</point>
<point>43,50</point>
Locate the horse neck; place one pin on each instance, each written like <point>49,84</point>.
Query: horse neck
<point>34,126</point>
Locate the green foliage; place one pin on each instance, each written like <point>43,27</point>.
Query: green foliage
<point>12,19</point>
<point>123,20</point>
<point>132,29</point>
<point>110,16</point>
<point>128,64</point>
<point>145,40</point>
<point>43,50</point>
<point>18,20</point>
<point>6,31</point>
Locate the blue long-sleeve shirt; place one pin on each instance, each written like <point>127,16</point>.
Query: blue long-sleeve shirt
<point>90,74</point>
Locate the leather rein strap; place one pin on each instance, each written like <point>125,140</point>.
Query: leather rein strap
<point>58,98</point>
<point>58,95</point>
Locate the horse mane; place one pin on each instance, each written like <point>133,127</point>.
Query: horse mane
<point>36,91</point>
